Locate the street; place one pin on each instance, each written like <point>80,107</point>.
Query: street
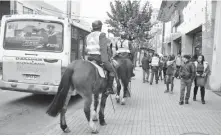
<point>23,113</point>
<point>148,111</point>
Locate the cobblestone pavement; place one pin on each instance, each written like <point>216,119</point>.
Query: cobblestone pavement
<point>151,111</point>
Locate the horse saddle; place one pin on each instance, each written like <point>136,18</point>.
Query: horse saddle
<point>99,69</point>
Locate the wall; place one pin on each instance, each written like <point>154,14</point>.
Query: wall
<point>4,8</point>
<point>38,7</point>
<point>215,78</point>
<point>197,13</point>
<point>208,31</point>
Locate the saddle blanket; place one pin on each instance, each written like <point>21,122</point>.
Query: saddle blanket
<point>100,69</point>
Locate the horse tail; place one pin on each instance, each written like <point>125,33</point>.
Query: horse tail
<point>60,98</point>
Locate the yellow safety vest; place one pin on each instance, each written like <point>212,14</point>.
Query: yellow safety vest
<point>93,46</point>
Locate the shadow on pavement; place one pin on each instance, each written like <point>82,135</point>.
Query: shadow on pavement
<point>39,100</point>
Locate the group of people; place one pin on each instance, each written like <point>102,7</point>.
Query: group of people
<point>186,68</point>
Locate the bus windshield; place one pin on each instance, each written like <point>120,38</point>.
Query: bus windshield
<point>34,35</point>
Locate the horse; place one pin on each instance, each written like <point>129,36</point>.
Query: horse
<point>84,77</point>
<point>124,72</point>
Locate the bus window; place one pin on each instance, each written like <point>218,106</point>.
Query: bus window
<point>74,43</point>
<point>34,35</point>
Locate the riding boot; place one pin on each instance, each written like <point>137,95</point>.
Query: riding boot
<point>110,85</point>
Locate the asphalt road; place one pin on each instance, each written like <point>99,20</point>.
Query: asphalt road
<point>25,113</point>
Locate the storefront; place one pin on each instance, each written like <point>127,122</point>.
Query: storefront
<point>197,43</point>
<point>177,46</point>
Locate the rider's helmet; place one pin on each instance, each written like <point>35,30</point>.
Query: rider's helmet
<point>97,24</point>
<point>123,35</point>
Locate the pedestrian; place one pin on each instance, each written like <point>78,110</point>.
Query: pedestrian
<point>178,65</point>
<point>202,73</point>
<point>187,74</point>
<point>154,68</point>
<point>145,67</point>
<point>170,72</point>
<point>165,59</point>
<point>161,68</point>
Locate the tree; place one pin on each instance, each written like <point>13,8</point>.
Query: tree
<point>130,18</point>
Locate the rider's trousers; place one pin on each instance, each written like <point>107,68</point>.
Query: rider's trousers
<point>107,65</point>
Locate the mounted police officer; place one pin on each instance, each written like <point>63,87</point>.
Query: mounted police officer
<point>97,49</point>
<point>124,48</point>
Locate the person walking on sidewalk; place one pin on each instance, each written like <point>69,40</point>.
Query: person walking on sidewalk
<point>165,59</point>
<point>171,69</point>
<point>161,68</point>
<point>154,68</point>
<point>178,65</point>
<point>202,73</point>
<point>187,74</point>
<point>145,66</point>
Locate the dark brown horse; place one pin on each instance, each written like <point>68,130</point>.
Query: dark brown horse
<point>124,72</point>
<point>84,77</point>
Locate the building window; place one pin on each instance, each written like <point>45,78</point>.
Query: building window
<point>27,10</point>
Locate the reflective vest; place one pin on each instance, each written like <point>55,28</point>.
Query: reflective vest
<point>93,46</point>
<point>155,61</point>
<point>124,48</point>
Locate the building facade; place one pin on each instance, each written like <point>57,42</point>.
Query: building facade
<point>34,7</point>
<point>156,32</point>
<point>190,28</point>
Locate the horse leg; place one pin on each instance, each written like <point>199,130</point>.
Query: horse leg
<point>94,112</point>
<point>118,92</point>
<point>126,92</point>
<point>63,123</point>
<point>87,111</point>
<point>102,107</point>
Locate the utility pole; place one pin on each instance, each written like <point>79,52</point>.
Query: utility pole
<point>69,9</point>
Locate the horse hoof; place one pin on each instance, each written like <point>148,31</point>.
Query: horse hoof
<point>117,99</point>
<point>93,127</point>
<point>103,123</point>
<point>95,132</point>
<point>123,102</point>
<point>67,130</point>
<point>94,116</point>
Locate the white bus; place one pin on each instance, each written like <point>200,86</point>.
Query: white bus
<point>35,50</point>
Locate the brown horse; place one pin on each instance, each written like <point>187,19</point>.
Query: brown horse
<point>124,72</point>
<point>84,77</point>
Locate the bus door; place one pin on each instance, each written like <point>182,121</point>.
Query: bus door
<point>74,43</point>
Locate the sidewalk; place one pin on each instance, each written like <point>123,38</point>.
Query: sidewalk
<point>151,111</point>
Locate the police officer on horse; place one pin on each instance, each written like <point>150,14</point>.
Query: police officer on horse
<point>124,49</point>
<point>97,50</point>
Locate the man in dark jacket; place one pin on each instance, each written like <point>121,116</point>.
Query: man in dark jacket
<point>145,66</point>
<point>187,74</point>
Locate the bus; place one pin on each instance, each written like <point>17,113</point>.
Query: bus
<point>36,49</point>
